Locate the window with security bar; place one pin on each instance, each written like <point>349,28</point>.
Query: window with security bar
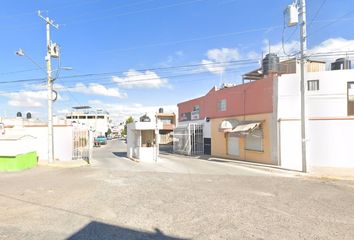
<point>254,140</point>
<point>313,85</point>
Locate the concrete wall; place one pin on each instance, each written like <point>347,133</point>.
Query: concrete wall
<point>63,141</point>
<point>219,141</point>
<point>331,143</point>
<point>329,128</point>
<point>15,146</point>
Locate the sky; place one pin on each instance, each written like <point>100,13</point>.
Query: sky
<point>134,56</point>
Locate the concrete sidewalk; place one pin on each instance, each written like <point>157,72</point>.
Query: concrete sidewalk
<point>329,173</point>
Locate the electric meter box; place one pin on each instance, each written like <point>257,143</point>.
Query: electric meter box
<point>291,15</point>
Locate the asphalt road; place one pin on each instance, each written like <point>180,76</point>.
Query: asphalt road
<point>175,198</point>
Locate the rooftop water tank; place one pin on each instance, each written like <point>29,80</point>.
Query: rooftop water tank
<point>145,118</point>
<point>19,114</point>
<point>270,64</point>
<point>28,115</point>
<point>341,64</point>
<point>160,110</point>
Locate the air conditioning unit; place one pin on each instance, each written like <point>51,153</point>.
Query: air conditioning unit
<point>54,50</point>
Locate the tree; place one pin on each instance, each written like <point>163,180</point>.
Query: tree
<point>129,120</point>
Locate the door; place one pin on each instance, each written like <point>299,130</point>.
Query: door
<point>207,146</point>
<point>233,146</point>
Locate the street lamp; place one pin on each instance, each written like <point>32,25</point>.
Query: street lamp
<point>21,53</point>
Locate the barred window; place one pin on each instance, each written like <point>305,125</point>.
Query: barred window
<point>313,85</point>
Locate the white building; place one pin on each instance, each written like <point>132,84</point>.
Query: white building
<point>329,120</point>
<point>143,140</point>
<point>97,120</point>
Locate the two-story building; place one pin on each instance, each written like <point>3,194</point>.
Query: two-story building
<point>223,109</point>
<point>260,119</point>
<point>168,121</point>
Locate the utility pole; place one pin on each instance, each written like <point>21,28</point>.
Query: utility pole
<point>303,48</point>
<point>49,86</point>
<point>296,13</point>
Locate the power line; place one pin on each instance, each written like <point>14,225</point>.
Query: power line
<point>190,67</point>
<point>331,23</point>
<point>317,12</point>
<point>135,12</point>
<point>192,39</point>
<point>138,70</point>
<point>20,71</point>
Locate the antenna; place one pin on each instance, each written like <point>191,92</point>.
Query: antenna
<point>268,46</point>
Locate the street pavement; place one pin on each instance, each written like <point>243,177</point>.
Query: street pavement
<point>175,198</point>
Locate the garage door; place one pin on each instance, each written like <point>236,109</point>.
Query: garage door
<point>233,147</point>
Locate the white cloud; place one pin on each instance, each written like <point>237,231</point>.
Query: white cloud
<point>121,112</point>
<point>333,45</point>
<point>63,111</point>
<point>97,89</point>
<point>289,47</point>
<point>31,99</point>
<point>214,56</point>
<point>136,79</point>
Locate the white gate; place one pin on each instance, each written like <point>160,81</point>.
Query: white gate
<point>82,147</point>
<point>188,139</point>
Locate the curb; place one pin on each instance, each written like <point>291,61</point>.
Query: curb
<point>65,164</point>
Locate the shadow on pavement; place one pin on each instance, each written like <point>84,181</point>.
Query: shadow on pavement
<point>166,148</point>
<point>102,231</point>
<point>120,154</point>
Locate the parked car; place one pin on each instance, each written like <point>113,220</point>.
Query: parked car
<point>102,140</point>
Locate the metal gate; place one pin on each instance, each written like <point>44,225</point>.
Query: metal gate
<point>188,139</point>
<point>82,147</point>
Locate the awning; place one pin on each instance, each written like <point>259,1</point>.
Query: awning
<point>246,128</point>
<point>228,125</point>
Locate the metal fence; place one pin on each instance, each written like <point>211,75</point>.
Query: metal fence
<point>82,147</point>
<point>188,139</point>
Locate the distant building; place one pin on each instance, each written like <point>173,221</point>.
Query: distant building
<point>95,119</point>
<point>168,121</point>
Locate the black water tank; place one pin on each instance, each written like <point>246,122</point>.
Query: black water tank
<point>160,110</point>
<point>270,64</point>
<point>28,115</point>
<point>341,64</point>
<point>18,114</point>
<point>145,118</point>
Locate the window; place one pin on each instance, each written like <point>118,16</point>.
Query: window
<point>82,117</point>
<point>100,117</point>
<point>196,108</point>
<point>222,105</point>
<point>350,98</point>
<point>90,117</point>
<point>254,140</point>
<point>166,121</point>
<point>313,85</point>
